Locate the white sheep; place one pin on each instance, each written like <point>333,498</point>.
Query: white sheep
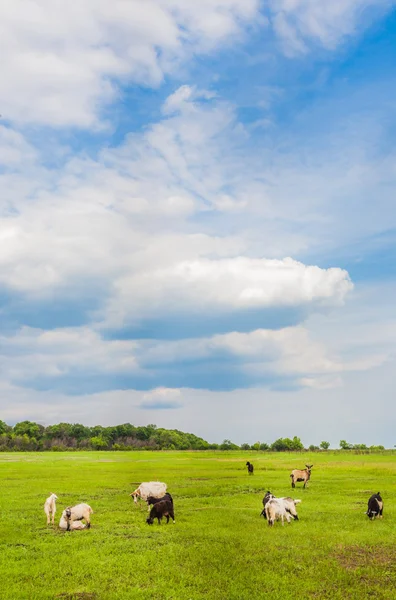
<point>72,516</point>
<point>156,489</point>
<point>50,508</point>
<point>276,509</point>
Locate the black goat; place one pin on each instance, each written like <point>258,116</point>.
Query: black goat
<point>152,500</point>
<point>250,468</point>
<point>375,506</point>
<point>164,508</point>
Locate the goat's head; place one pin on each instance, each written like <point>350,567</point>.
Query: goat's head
<point>268,496</point>
<point>309,467</point>
<point>149,521</point>
<point>135,495</point>
<point>68,513</point>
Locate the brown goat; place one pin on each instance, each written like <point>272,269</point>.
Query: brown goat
<point>301,475</point>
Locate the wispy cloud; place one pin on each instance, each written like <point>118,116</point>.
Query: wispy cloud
<point>63,63</point>
<point>301,24</point>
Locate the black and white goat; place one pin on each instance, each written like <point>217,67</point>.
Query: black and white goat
<point>375,506</point>
<point>288,503</point>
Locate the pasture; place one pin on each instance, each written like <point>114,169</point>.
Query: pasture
<point>219,548</point>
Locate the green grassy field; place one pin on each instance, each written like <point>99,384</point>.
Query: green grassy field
<point>219,547</point>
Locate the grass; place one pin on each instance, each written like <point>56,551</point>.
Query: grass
<point>219,547</point>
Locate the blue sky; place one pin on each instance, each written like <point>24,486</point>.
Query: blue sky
<point>197,216</point>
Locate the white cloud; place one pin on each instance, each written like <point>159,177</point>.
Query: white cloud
<point>34,353</point>
<point>162,398</point>
<point>299,23</point>
<point>14,150</point>
<point>126,220</point>
<point>62,62</point>
<point>227,284</point>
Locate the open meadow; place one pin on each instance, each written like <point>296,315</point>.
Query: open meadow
<point>218,549</point>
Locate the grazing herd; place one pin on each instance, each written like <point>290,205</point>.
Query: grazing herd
<point>161,503</point>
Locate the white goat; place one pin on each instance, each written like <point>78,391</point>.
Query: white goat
<point>156,489</point>
<point>70,525</point>
<point>275,510</point>
<point>290,506</point>
<point>50,507</point>
<point>73,515</point>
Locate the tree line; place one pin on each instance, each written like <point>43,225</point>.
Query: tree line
<point>31,436</point>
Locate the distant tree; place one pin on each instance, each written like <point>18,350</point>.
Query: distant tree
<point>324,445</point>
<point>359,447</point>
<point>255,446</point>
<point>245,447</point>
<point>264,446</point>
<point>29,428</point>
<point>80,432</point>
<point>297,444</point>
<point>281,445</point>
<point>98,443</point>
<point>313,448</point>
<point>228,445</point>
<point>4,428</point>
<point>345,446</point>
<point>286,444</point>
<point>61,431</point>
